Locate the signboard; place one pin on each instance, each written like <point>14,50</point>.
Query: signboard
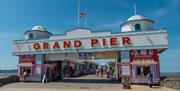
<point>86,55</point>
<point>125,67</point>
<point>39,59</point>
<point>125,70</point>
<point>77,44</point>
<point>125,57</point>
<point>27,58</point>
<point>106,55</point>
<point>38,70</point>
<point>144,55</point>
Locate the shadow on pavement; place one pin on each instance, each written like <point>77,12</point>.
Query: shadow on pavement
<point>95,81</point>
<point>8,80</point>
<point>156,87</point>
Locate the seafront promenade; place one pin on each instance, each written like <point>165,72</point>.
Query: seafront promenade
<point>83,83</point>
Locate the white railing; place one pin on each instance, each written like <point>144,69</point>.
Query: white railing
<point>143,80</point>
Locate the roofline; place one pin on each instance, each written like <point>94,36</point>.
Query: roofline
<point>38,31</point>
<point>82,28</point>
<point>116,34</point>
<point>77,28</point>
<point>136,20</point>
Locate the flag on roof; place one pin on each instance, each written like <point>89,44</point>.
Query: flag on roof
<point>82,14</point>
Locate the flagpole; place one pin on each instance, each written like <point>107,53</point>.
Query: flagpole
<point>78,10</point>
<point>85,19</point>
<point>85,23</point>
<point>135,9</point>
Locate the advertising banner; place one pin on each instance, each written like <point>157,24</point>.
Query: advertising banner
<point>86,55</point>
<point>27,58</point>
<point>144,55</point>
<point>125,67</point>
<point>106,55</point>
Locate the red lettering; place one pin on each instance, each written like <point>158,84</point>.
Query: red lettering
<point>56,45</point>
<point>46,45</point>
<point>36,46</point>
<point>94,42</point>
<point>67,44</point>
<point>77,43</point>
<point>126,40</point>
<point>113,41</point>
<point>104,42</point>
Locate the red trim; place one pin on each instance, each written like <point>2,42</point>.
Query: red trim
<point>131,71</point>
<point>27,58</point>
<point>121,70</point>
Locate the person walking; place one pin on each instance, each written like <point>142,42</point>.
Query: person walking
<point>112,74</point>
<point>97,71</point>
<point>101,72</point>
<point>150,79</point>
<point>25,74</point>
<point>46,75</point>
<point>108,70</point>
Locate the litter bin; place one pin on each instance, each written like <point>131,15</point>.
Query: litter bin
<point>126,82</point>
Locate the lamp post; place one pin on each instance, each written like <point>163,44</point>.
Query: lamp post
<point>77,54</point>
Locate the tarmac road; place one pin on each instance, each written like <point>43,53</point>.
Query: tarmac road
<point>84,83</point>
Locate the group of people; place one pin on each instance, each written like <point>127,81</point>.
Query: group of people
<point>110,74</point>
<point>99,71</point>
<point>109,71</point>
<point>50,75</point>
<point>68,72</point>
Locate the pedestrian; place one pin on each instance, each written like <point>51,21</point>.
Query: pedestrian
<point>111,73</point>
<point>150,79</point>
<point>65,71</point>
<point>25,74</point>
<point>101,72</point>
<point>108,72</point>
<point>97,71</point>
<point>46,75</point>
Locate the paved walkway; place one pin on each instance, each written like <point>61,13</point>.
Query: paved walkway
<point>84,83</point>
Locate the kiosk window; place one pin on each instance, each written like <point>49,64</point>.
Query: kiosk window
<point>25,69</point>
<point>142,70</point>
<point>137,27</point>
<point>31,36</point>
<point>138,70</point>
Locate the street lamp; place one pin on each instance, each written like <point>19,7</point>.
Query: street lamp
<point>77,55</point>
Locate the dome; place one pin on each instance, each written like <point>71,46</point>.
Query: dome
<point>39,28</point>
<point>135,17</point>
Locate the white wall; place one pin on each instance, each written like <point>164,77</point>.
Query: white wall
<point>138,39</point>
<point>55,57</point>
<point>145,26</point>
<point>37,35</point>
<point>79,33</point>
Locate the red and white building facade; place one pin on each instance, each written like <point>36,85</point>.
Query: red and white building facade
<point>137,48</point>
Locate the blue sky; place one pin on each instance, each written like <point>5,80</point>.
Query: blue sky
<point>57,16</point>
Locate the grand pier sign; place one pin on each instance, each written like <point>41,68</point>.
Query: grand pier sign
<point>94,43</point>
<point>83,40</point>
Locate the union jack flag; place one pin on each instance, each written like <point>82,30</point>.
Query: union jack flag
<point>82,14</point>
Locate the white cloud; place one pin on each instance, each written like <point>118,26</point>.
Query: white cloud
<point>121,3</point>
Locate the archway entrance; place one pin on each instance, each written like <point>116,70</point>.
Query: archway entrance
<point>91,67</point>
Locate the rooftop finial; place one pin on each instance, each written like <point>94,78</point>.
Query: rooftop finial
<point>134,9</point>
